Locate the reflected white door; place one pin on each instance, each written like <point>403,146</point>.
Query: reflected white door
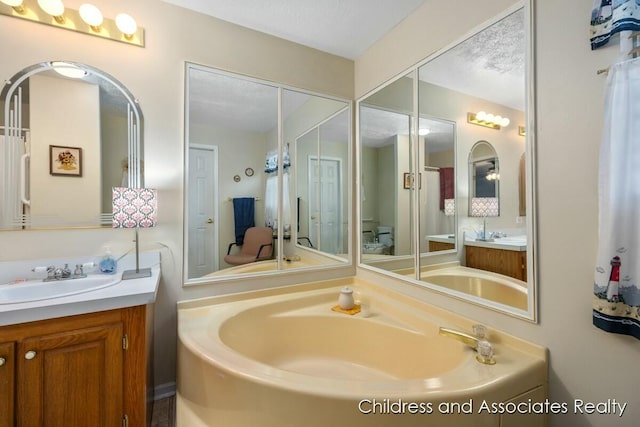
<point>202,220</point>
<point>325,204</point>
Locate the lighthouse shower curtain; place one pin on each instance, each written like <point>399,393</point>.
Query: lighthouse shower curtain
<point>612,16</point>
<point>616,302</point>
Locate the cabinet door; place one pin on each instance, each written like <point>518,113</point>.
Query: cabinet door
<point>72,378</point>
<point>7,381</point>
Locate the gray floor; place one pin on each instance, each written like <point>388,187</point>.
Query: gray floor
<point>164,412</point>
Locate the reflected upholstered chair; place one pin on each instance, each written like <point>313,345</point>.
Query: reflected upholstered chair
<point>257,246</point>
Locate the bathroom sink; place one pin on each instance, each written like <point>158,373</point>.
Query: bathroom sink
<point>36,290</point>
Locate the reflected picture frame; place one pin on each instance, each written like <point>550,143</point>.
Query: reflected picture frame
<point>65,161</point>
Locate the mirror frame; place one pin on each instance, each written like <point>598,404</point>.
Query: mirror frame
<point>531,314</point>
<point>135,125</point>
<point>341,262</point>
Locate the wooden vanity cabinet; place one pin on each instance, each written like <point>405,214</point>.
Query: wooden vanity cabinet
<point>502,261</point>
<point>83,370</point>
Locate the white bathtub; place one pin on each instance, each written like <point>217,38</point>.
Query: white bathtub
<point>284,358</point>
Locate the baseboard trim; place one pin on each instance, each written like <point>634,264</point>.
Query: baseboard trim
<point>164,390</point>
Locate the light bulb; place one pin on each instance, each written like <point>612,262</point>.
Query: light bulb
<point>54,8</point>
<point>481,116</point>
<point>91,15</point>
<point>15,4</point>
<point>423,132</point>
<point>505,122</point>
<point>126,24</point>
<point>497,120</point>
<point>488,118</point>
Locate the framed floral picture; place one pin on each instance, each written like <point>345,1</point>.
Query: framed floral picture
<point>65,161</point>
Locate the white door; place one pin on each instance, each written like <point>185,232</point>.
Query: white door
<point>325,204</point>
<point>202,221</point>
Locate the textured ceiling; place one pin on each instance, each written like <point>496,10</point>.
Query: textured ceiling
<point>342,27</point>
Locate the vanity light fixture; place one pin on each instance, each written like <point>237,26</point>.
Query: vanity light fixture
<point>54,8</point>
<point>92,16</point>
<point>87,19</point>
<point>488,120</point>
<point>15,5</point>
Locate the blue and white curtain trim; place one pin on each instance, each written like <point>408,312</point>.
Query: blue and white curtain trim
<point>271,162</point>
<point>616,300</point>
<point>612,16</point>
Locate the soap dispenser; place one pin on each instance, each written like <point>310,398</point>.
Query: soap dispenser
<point>108,263</point>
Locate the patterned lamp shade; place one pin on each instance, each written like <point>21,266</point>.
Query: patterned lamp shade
<point>484,206</point>
<point>134,207</point>
<point>449,207</point>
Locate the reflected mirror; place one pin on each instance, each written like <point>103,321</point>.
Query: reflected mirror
<point>387,179</point>
<point>70,131</point>
<point>473,193</point>
<point>262,194</point>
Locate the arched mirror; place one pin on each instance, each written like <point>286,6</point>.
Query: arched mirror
<point>268,162</point>
<point>484,180</point>
<point>71,132</point>
<point>464,111</point>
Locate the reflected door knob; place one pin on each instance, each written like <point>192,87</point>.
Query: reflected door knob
<point>2,361</point>
<point>210,221</point>
<point>30,355</point>
<point>313,217</point>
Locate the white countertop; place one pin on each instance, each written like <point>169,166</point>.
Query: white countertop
<point>506,243</point>
<point>442,238</point>
<point>125,293</point>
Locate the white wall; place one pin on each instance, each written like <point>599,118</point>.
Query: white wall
<point>585,362</point>
<point>53,102</point>
<point>155,75</point>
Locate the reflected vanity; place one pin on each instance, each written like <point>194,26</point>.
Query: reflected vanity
<point>469,185</point>
<point>297,144</point>
<point>69,130</point>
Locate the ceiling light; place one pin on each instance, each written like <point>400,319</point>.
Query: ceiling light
<point>68,70</point>
<point>15,4</point>
<point>91,15</point>
<point>126,24</point>
<point>54,8</point>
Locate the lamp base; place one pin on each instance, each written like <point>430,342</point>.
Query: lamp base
<point>133,274</point>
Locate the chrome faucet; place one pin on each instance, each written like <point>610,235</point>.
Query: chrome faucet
<point>478,342</point>
<point>57,273</point>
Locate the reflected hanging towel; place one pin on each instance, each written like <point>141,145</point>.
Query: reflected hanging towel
<point>616,301</point>
<point>612,16</point>
<point>447,185</point>
<point>244,217</point>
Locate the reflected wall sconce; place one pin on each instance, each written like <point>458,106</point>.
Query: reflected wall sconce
<point>522,131</point>
<point>87,19</point>
<point>488,120</point>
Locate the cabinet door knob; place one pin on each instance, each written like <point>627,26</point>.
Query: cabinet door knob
<point>30,355</point>
<point>2,361</point>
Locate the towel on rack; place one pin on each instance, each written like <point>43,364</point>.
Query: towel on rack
<point>447,185</point>
<point>244,216</point>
